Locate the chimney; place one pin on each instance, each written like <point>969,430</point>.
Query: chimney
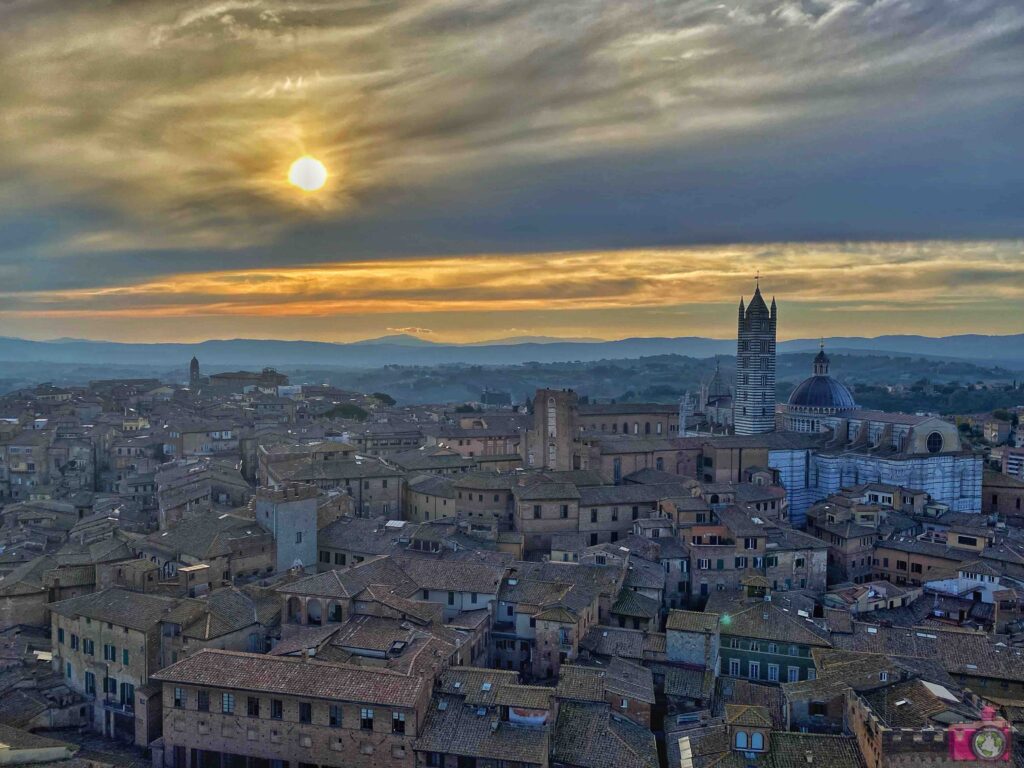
<point>809,756</point>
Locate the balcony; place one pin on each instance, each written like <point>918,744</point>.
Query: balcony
<point>116,705</point>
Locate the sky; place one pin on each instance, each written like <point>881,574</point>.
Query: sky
<point>578,168</point>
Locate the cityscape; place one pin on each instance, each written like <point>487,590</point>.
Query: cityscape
<point>511,384</point>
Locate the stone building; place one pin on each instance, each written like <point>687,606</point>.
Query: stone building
<point>241,709</point>
<point>289,512</point>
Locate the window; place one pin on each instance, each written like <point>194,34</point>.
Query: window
<point>366,719</point>
<point>741,740</point>
<point>536,511</point>
<point>750,543</point>
<point>89,648</point>
<point>754,670</point>
<point>773,673</point>
<point>227,703</point>
<point>124,656</point>
<point>757,741</point>
<point>60,635</point>
<point>335,716</point>
<point>276,709</point>
<point>792,674</point>
<point>298,537</point>
<point>451,598</point>
<point>734,667</point>
<point>593,515</point>
<point>305,712</point>
<point>703,564</point>
<point>564,511</point>
<point>203,701</point>
<point>398,722</point>
<point>90,683</point>
<point>817,709</point>
<point>67,670</point>
<point>636,513</point>
<point>179,698</point>
<point>934,442</point>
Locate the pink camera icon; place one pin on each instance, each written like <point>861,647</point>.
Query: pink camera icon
<point>987,740</point>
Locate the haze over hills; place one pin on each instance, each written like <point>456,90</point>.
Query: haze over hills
<point>404,349</point>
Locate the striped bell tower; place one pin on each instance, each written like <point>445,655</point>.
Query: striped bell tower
<point>754,404</point>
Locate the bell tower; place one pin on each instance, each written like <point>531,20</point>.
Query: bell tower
<point>754,404</point>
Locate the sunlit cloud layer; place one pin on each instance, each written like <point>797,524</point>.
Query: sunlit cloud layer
<point>885,280</point>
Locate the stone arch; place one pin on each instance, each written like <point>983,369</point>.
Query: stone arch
<point>314,612</point>
<point>295,612</point>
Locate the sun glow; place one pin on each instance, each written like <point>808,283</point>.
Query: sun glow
<point>307,173</point>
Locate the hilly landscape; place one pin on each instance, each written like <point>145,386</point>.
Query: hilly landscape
<point>1003,351</point>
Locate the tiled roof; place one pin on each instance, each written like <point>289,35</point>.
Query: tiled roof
<point>478,685</point>
<point>790,750</point>
<point>135,610</point>
<point>692,621</point>
<point>524,696</point>
<point>636,604</point>
<point>749,715</point>
<point>762,620</point>
<point>959,651</point>
<point>293,676</point>
<point>589,736</point>
<point>615,641</point>
<point>454,728</point>
<point>576,683</point>
<point>683,682</point>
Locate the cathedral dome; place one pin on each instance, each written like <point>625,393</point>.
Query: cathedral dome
<point>822,392</point>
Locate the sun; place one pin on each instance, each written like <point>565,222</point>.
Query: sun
<point>307,173</point>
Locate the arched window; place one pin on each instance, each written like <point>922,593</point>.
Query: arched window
<point>741,739</point>
<point>757,741</point>
<point>647,427</point>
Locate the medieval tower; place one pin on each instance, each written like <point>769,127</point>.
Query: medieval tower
<point>754,403</point>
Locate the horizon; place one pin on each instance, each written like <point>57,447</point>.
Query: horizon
<point>524,339</point>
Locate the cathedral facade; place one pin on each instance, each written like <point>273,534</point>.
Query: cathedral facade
<point>754,399</point>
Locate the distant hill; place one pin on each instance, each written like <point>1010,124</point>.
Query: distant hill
<point>403,349</point>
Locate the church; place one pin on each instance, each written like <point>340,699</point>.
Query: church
<point>856,445</point>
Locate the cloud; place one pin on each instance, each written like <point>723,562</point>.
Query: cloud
<point>871,275</point>
<point>413,330</point>
<point>179,119</point>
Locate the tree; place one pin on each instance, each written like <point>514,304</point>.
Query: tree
<point>384,398</point>
<point>347,411</point>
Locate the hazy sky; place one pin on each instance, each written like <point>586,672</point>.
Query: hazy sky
<point>581,167</point>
